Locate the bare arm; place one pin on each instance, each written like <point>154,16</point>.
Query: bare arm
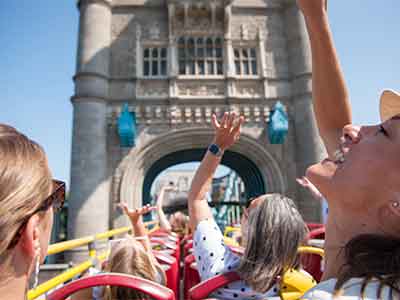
<point>164,223</point>
<point>201,184</point>
<point>135,216</point>
<point>227,133</point>
<point>330,95</point>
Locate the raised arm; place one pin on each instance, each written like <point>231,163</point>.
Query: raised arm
<point>135,216</point>
<point>330,95</point>
<point>226,134</point>
<point>164,223</point>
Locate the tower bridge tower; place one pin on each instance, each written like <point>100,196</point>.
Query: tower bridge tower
<point>175,62</point>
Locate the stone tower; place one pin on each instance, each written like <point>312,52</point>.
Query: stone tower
<point>175,62</point>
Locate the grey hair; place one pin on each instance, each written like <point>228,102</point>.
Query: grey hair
<point>273,234</point>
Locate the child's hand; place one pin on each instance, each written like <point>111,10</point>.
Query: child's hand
<point>304,182</point>
<point>168,188</point>
<point>136,214</point>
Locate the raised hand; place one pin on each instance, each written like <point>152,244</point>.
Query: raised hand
<point>168,188</point>
<point>227,131</point>
<point>304,182</point>
<point>136,214</point>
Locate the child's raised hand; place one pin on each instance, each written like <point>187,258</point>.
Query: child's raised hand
<point>135,214</point>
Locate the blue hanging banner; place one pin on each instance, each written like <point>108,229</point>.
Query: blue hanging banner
<point>278,125</point>
<point>127,127</point>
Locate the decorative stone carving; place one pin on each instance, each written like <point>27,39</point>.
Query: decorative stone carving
<point>198,89</point>
<point>196,115</point>
<point>199,22</point>
<point>138,32</point>
<point>249,89</point>
<point>154,32</point>
<point>244,32</point>
<point>175,113</point>
<point>250,24</point>
<point>152,88</point>
<point>256,113</point>
<point>179,24</point>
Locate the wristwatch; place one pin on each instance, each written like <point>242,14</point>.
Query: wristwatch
<point>216,150</point>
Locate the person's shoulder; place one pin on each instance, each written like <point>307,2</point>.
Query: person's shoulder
<point>322,291</point>
<point>206,227</point>
<point>351,290</point>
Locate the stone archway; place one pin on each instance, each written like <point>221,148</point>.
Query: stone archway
<point>244,167</point>
<point>140,160</point>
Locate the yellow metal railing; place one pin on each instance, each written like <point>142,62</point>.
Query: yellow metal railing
<point>311,250</point>
<point>94,258</point>
<point>79,269</point>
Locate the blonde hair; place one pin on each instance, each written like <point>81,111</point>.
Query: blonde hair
<point>129,258</point>
<point>25,181</point>
<point>179,223</point>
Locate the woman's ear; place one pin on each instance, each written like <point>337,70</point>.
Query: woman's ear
<point>30,237</point>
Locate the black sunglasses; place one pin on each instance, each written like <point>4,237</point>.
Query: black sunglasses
<point>56,199</point>
<point>248,202</point>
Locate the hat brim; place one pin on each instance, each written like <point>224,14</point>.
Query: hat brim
<point>390,105</point>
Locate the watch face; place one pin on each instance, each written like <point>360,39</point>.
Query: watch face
<point>214,149</point>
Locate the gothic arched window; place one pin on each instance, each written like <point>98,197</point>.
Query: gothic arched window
<point>200,56</point>
<point>246,61</point>
<point>154,62</point>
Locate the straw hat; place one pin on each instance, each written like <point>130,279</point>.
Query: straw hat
<point>390,104</point>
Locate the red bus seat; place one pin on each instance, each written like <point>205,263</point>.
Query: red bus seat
<point>158,242</point>
<point>294,284</point>
<point>147,287</point>
<point>205,288</point>
<point>187,238</point>
<point>172,273</point>
<point>312,226</point>
<point>312,263</point>
<point>164,234</point>
<point>187,247</point>
<point>191,276</point>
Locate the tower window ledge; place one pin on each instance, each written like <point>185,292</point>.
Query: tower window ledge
<point>152,97</point>
<point>248,77</point>
<point>249,97</point>
<point>153,78</point>
<point>208,97</point>
<point>196,77</point>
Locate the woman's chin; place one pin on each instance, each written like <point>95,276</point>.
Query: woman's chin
<point>321,173</point>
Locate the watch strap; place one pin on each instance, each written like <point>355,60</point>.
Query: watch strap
<point>216,150</point>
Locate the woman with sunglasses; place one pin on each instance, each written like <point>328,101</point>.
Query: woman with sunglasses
<point>28,199</point>
<point>360,178</point>
<point>272,229</point>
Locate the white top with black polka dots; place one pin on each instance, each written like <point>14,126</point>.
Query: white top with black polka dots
<point>213,257</point>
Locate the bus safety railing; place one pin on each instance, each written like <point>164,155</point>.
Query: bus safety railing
<point>88,241</point>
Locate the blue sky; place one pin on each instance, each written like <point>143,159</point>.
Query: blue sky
<point>38,45</point>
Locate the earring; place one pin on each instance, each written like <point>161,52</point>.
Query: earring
<point>395,204</point>
<point>37,270</point>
